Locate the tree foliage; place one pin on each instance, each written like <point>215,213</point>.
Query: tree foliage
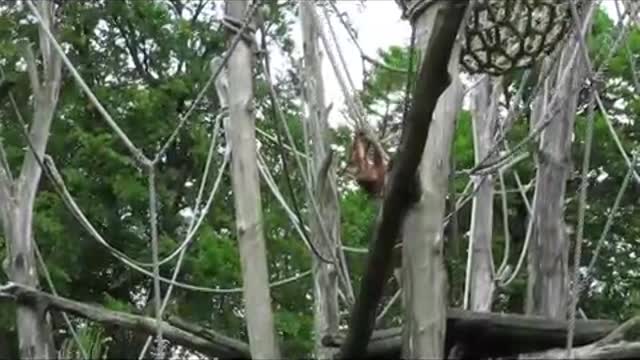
<point>146,62</point>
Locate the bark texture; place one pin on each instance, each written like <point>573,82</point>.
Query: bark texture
<point>247,200</point>
<point>403,190</point>
<point>34,332</point>
<point>480,275</point>
<point>323,181</point>
<point>424,279</point>
<point>482,335</point>
<point>547,289</point>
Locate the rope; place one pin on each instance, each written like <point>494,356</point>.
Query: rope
<point>136,153</point>
<point>592,77</point>
<point>52,288</point>
<point>314,206</point>
<point>505,225</point>
<point>607,226</point>
<point>387,307</point>
<point>48,166</point>
<point>580,231</point>
<point>193,225</point>
<point>354,39</point>
<point>298,226</point>
<point>584,52</point>
<point>285,163</point>
<point>605,61</point>
<point>240,33</point>
<point>355,112</point>
<point>347,73</point>
<point>153,223</point>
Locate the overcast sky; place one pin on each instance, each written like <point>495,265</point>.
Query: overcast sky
<point>379,26</point>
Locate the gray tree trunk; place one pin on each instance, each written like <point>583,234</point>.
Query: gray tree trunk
<point>34,332</point>
<point>547,289</point>
<point>480,276</point>
<point>325,279</point>
<point>424,278</point>
<point>247,200</point>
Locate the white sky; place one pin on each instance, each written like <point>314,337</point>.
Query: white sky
<point>379,26</point>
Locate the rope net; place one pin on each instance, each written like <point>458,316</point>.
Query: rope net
<point>502,35</point>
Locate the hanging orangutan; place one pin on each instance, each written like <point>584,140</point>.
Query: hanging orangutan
<point>370,175</point>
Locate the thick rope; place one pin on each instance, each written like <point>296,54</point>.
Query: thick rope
<point>314,206</point>
<point>582,205</point>
<point>135,152</point>
<point>285,164</point>
<point>592,76</point>
<point>240,34</point>
<point>505,225</point>
<point>199,214</point>
<point>48,168</point>
<point>193,224</point>
<point>153,223</point>
<point>607,225</point>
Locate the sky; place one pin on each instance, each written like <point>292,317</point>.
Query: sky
<point>379,25</point>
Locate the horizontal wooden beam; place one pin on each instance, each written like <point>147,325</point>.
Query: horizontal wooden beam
<point>493,334</point>
<point>479,334</point>
<point>205,341</point>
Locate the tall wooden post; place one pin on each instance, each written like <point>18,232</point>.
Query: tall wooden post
<point>247,201</point>
<point>424,279</point>
<point>479,278</point>
<point>34,332</point>
<point>325,279</point>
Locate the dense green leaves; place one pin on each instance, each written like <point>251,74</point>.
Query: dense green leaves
<point>146,61</point>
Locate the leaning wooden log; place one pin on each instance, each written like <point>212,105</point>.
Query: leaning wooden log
<point>207,342</point>
<point>483,335</point>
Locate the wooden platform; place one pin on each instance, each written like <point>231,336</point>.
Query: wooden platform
<point>491,335</point>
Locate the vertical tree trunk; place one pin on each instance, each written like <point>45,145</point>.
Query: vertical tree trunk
<point>424,278</point>
<point>547,290</point>
<point>34,332</point>
<point>247,201</point>
<point>480,276</point>
<point>325,280</point>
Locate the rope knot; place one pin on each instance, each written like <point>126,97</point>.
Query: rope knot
<point>234,26</point>
<point>412,9</point>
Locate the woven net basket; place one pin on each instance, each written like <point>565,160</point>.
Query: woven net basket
<point>503,35</point>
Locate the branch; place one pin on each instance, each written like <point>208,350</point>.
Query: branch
<point>137,153</point>
<point>197,12</point>
<point>132,45</point>
<point>45,94</point>
<point>214,345</point>
<point>403,190</point>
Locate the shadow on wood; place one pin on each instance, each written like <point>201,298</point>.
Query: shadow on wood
<point>493,335</point>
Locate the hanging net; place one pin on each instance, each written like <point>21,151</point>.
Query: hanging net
<point>503,35</point>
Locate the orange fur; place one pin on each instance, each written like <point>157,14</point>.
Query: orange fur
<point>370,175</point>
